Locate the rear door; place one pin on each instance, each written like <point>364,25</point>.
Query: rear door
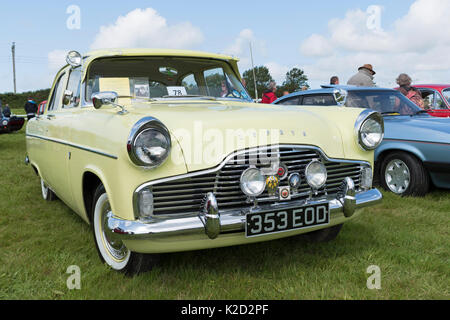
<point>55,160</point>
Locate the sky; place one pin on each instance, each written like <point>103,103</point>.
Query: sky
<point>323,38</point>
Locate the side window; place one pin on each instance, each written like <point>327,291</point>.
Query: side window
<point>319,100</point>
<point>190,84</point>
<point>73,85</point>
<point>216,83</point>
<point>428,98</point>
<point>446,94</point>
<point>439,103</point>
<point>56,98</point>
<point>290,101</point>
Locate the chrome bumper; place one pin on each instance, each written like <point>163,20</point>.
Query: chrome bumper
<point>212,223</point>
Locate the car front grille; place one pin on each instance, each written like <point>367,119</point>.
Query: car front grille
<point>186,195</point>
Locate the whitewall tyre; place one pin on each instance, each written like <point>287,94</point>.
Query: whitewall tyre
<point>111,250</point>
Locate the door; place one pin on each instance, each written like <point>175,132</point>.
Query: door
<point>54,155</point>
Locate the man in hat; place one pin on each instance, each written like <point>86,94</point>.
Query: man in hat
<point>364,77</point>
<point>413,94</point>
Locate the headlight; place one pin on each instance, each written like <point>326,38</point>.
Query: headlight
<point>5,123</point>
<point>316,174</point>
<point>253,182</point>
<point>149,143</point>
<point>370,129</point>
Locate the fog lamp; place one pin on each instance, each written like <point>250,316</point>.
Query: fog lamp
<point>145,203</point>
<point>253,182</point>
<point>366,178</point>
<point>316,174</point>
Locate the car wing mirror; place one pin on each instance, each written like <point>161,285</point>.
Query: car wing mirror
<point>104,98</point>
<point>340,95</point>
<point>67,99</point>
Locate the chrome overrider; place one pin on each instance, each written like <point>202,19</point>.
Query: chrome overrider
<point>211,224</point>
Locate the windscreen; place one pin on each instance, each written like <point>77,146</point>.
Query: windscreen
<point>165,77</point>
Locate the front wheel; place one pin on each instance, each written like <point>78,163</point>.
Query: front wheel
<point>111,250</point>
<point>404,175</point>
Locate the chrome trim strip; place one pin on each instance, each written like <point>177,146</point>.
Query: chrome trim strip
<point>72,145</point>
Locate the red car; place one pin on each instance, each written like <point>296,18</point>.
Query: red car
<point>437,97</point>
<point>41,107</point>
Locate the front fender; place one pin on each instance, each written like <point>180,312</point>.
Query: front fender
<point>397,145</point>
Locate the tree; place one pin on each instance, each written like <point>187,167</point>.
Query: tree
<point>296,79</point>
<point>263,79</point>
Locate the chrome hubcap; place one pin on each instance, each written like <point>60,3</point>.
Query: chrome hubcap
<point>116,247</point>
<point>397,176</point>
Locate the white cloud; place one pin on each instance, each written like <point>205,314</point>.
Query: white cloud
<point>241,49</point>
<point>277,71</point>
<point>316,46</point>
<point>146,28</point>
<point>56,60</point>
<point>413,45</point>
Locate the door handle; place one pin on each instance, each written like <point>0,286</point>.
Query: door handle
<point>50,116</point>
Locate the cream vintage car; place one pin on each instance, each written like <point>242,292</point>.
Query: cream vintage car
<point>164,151</point>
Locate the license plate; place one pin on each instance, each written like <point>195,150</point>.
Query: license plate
<point>263,223</point>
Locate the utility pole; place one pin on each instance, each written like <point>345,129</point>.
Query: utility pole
<point>13,49</point>
<point>254,76</point>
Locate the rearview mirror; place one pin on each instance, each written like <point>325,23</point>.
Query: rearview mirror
<point>104,98</point>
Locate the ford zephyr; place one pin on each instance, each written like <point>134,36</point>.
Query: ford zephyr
<point>164,151</point>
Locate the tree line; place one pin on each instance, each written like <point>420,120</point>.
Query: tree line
<point>295,80</point>
<point>18,100</point>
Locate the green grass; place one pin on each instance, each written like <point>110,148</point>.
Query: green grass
<point>407,238</point>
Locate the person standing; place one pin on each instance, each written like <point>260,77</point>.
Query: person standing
<point>31,108</point>
<point>364,77</point>
<point>269,95</point>
<point>334,80</point>
<point>413,94</point>
<point>6,111</point>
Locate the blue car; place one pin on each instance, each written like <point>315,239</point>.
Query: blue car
<point>415,152</point>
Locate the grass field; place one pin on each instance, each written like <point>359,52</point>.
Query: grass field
<point>407,238</point>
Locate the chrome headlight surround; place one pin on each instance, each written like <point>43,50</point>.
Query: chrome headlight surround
<point>5,122</point>
<point>149,128</point>
<point>369,126</point>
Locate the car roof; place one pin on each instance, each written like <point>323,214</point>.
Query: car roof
<point>329,89</point>
<point>155,52</point>
<point>432,86</point>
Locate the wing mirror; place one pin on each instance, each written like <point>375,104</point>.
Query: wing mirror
<point>104,98</point>
<point>340,95</point>
<point>67,99</point>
